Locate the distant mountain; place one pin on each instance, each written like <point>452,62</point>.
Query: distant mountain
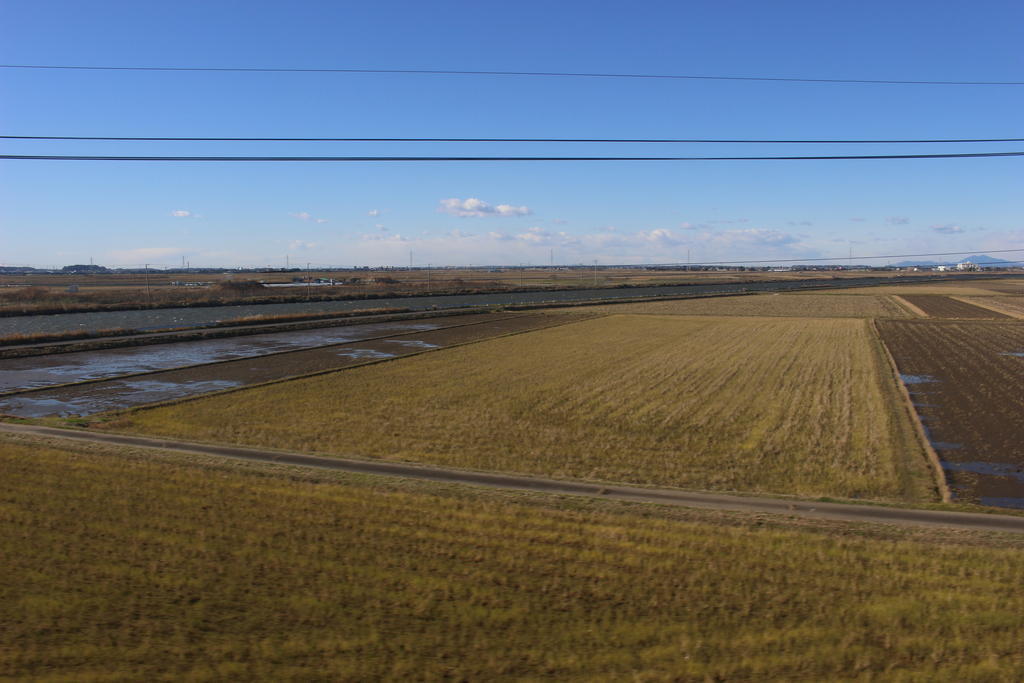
<point>980,259</point>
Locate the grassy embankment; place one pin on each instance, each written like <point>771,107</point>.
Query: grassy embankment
<point>773,305</point>
<point>120,567</point>
<point>806,407</point>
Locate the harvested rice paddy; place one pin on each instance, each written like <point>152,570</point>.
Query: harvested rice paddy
<point>771,305</point>
<point>122,567</point>
<point>800,406</point>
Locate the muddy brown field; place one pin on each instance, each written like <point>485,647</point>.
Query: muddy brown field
<point>938,306</point>
<point>965,379</point>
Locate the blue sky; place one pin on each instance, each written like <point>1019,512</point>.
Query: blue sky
<point>125,213</point>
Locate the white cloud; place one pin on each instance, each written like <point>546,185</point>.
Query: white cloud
<point>947,229</point>
<point>897,220</point>
<point>659,236</point>
<point>373,213</point>
<point>477,208</point>
<point>301,245</point>
<point>182,213</point>
<point>307,216</point>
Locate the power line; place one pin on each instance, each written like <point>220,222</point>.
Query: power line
<point>459,72</point>
<point>592,140</point>
<point>41,157</point>
<point>795,260</point>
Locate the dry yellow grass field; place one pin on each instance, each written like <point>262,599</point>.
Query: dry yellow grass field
<point>1010,305</point>
<point>944,288</point>
<point>801,406</point>
<point>772,305</point>
<point>122,567</point>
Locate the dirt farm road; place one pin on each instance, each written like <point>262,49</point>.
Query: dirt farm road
<point>799,508</point>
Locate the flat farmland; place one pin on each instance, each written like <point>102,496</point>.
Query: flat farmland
<point>119,566</point>
<point>967,379</point>
<point>1012,306</point>
<point>89,398</point>
<point>937,306</point>
<point>940,288</point>
<point>799,406</point>
<point>771,305</point>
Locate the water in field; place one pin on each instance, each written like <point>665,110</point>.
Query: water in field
<point>917,379</point>
<point>365,354</point>
<point>40,371</point>
<point>119,395</point>
<point>1003,502</point>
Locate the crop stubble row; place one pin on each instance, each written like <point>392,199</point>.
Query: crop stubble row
<point>796,406</point>
<point>122,567</point>
<point>771,305</point>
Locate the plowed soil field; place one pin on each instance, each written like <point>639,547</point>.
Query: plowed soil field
<point>966,380</point>
<point>944,307</point>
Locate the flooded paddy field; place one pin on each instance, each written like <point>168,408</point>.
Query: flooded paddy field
<point>115,394</point>
<point>965,380</point>
<point>151,319</point>
<point>937,306</point>
<point>40,371</point>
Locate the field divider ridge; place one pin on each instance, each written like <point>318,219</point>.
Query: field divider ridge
<point>316,373</point>
<point>131,375</point>
<point>791,507</point>
<point>938,473</point>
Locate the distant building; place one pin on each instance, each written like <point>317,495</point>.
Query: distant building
<point>967,265</point>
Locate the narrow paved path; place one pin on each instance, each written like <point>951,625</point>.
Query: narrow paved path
<point>832,511</point>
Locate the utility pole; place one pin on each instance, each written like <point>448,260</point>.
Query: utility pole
<point>309,282</point>
<point>149,295</point>
<point>428,277</point>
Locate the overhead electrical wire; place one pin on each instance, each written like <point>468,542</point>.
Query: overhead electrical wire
<point>44,157</point>
<point>465,72</point>
<point>553,140</point>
